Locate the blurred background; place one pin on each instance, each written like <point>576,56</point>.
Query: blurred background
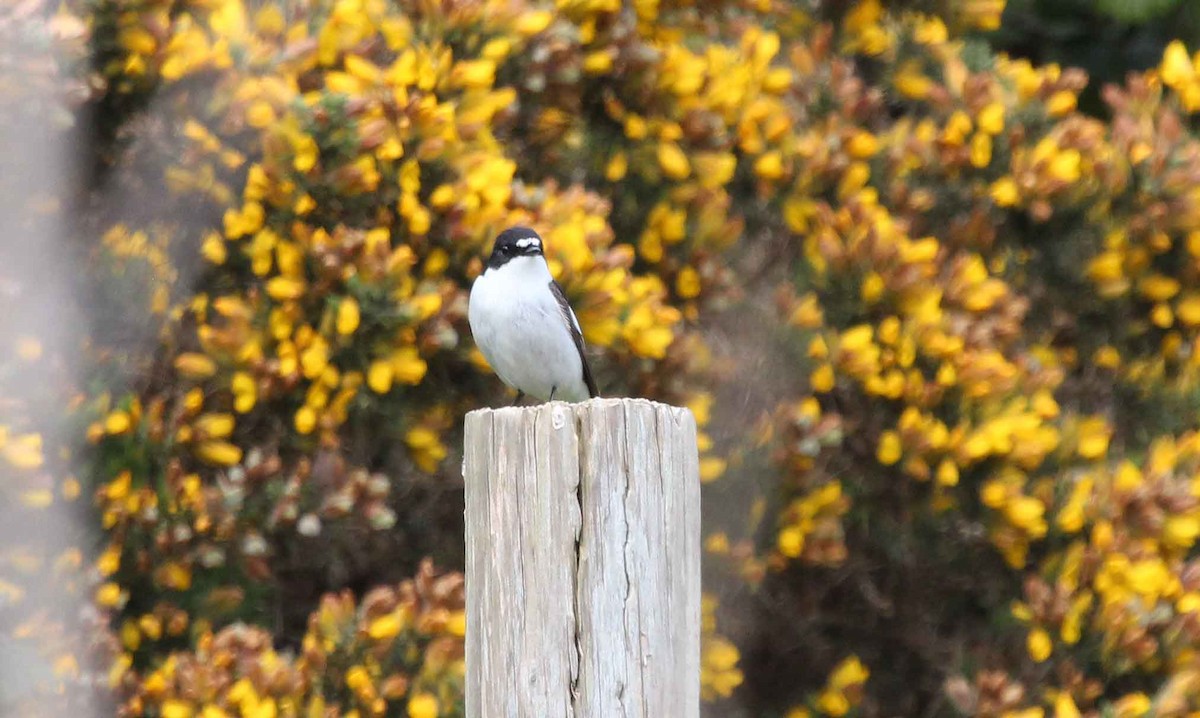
<point>926,273</point>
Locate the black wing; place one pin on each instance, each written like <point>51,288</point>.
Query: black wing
<point>573,326</point>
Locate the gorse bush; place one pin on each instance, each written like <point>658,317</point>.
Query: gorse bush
<point>939,330</point>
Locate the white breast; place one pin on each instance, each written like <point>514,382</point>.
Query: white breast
<point>518,326</point>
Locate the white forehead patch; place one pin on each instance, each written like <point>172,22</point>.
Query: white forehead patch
<point>528,242</point>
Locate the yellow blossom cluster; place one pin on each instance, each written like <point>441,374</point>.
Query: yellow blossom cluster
<point>1127,576</point>
<point>353,160</point>
<point>316,192</point>
<point>949,345</point>
<point>1146,261</point>
<point>843,692</point>
<point>719,672</point>
<point>398,651</point>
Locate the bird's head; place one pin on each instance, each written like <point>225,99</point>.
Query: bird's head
<point>512,243</point>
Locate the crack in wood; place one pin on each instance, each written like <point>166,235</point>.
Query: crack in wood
<point>576,638</point>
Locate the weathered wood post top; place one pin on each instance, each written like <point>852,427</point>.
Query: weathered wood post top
<point>583,561</point>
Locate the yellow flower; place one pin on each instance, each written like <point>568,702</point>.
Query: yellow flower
<point>599,62</point>
<point>215,426</point>
<point>109,561</point>
<point>1176,67</point>
<point>347,316</point>
<point>385,627</point>
<point>173,708</point>
<point>862,24</point>
<point>306,152</point>
<point>474,74</point>
<point>1133,705</point>
<point>1060,103</point>
<point>117,422</point>
<point>616,168</point>
<point>652,341</point>
<point>379,376</point>
<point>285,288</point>
<point>423,705</point>
<point>407,366</point>
<point>947,473</point>
<point>1038,644</point>
<point>1070,518</point>
<point>109,595</point>
<point>245,392</point>
<point>1044,405</point>
<point>119,668</point>
<point>1149,578</point>
<point>119,487</point>
<point>1181,531</point>
<point>305,419</point>
<point>531,23</point>
<point>219,453</point>
<point>174,575</point>
<point>807,314</point>
<point>213,248</point>
<point>889,450</point>
<point>1188,309</point>
<point>791,541</point>
<point>1064,706</point>
<point>150,626</point>
<point>673,161</point>
<point>426,447</point>
<point>1158,288</point>
<point>687,283</point>
<point>315,358</point>
<point>991,118</point>
<point>248,220</point>
<point>1093,438</point>
<point>822,379</point>
<point>711,468</point>
<point>195,366</point>
<point>1026,512</point>
<point>862,145</point>
<point>911,82</point>
<point>769,166</point>
<point>260,114</point>
<point>719,674</point>
<point>981,149</point>
<point>636,128</point>
<point>1066,166</point>
<point>1108,357</point>
<point>857,338</point>
<point>304,204</point>
<point>833,703</point>
<point>1161,316</point>
<point>849,672</point>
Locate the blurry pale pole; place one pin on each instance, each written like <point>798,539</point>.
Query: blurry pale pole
<point>38,318</point>
<point>583,561</point>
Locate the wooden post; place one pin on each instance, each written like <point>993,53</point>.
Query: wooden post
<point>583,561</point>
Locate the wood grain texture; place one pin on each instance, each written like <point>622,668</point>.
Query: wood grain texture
<point>583,561</point>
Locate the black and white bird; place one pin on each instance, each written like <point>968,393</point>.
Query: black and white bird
<point>523,324</point>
